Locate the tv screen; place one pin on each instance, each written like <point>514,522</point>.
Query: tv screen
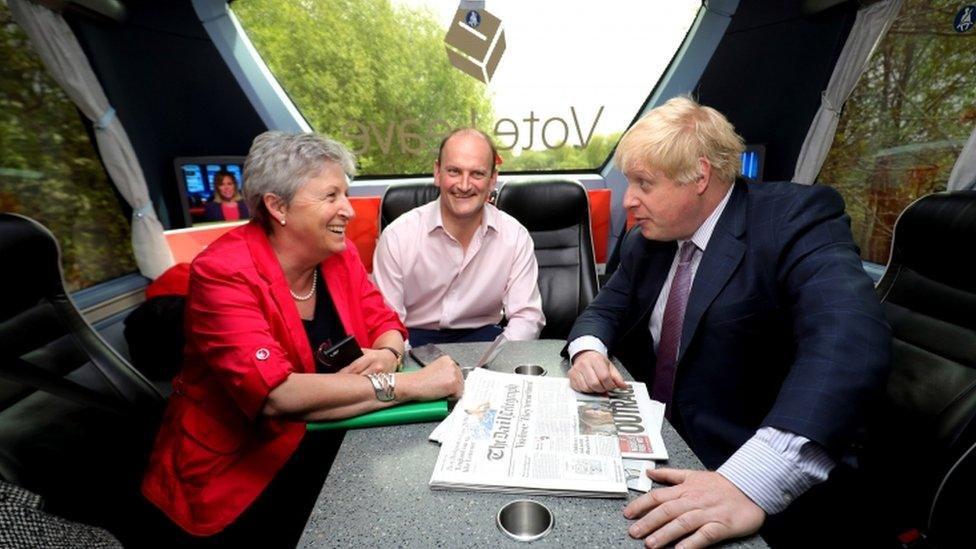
<point>210,188</point>
<point>752,162</point>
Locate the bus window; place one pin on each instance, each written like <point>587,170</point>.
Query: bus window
<point>905,123</point>
<point>49,169</point>
<point>556,83</point>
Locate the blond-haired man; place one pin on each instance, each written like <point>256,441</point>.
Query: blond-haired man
<point>745,308</point>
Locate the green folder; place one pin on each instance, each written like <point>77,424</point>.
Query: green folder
<point>411,412</point>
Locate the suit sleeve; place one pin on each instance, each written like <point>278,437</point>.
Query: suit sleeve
<point>605,315</point>
<point>843,344</point>
<point>228,324</point>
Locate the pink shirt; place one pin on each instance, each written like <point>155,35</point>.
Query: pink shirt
<point>433,283</point>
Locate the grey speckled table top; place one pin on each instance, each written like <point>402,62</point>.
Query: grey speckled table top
<point>377,495</point>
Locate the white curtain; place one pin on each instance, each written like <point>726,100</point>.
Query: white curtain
<point>62,55</point>
<point>963,176</point>
<point>870,26</point>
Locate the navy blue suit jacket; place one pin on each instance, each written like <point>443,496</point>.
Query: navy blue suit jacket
<point>782,326</point>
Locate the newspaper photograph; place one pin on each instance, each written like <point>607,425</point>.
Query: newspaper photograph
<point>631,416</point>
<point>525,434</point>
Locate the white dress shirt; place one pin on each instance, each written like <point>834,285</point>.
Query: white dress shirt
<point>433,283</point>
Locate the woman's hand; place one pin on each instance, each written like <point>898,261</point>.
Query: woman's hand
<point>373,361</point>
<point>439,379</point>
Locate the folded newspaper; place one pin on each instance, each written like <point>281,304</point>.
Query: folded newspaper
<point>637,420</point>
<point>514,433</point>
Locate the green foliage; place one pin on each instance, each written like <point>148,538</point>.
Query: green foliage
<point>49,170</point>
<point>372,75</point>
<point>906,121</point>
<point>567,157</point>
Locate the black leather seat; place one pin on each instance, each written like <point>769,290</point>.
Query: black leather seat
<point>557,215</point>
<point>400,199</point>
<point>76,420</point>
<point>919,454</point>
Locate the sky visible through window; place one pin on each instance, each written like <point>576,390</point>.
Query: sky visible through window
<point>578,54</point>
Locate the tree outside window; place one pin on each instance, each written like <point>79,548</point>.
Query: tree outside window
<point>49,170</point>
<point>905,123</point>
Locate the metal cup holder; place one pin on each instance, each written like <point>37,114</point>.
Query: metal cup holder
<point>530,370</point>
<point>524,520</point>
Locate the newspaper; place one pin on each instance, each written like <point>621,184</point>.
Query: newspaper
<point>636,419</point>
<point>514,433</point>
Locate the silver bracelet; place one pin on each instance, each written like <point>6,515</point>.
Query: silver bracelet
<point>384,385</point>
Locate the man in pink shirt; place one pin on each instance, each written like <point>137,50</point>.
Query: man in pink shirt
<point>453,268</point>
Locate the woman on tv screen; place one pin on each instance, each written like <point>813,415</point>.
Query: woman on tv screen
<point>227,203</point>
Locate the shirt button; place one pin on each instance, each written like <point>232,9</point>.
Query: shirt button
<point>262,354</point>
<point>787,497</point>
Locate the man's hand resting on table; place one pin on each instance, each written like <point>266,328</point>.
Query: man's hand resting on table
<point>593,373</point>
<point>702,505</point>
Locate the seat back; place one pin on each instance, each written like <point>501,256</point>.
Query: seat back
<point>75,417</point>
<point>929,295</point>
<point>557,215</point>
<point>36,310</point>
<point>400,199</point>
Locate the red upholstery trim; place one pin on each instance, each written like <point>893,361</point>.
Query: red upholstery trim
<point>173,281</point>
<point>600,221</point>
<point>364,229</point>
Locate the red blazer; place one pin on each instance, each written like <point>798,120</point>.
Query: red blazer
<point>215,453</point>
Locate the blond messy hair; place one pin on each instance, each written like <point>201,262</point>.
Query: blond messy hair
<point>671,138</point>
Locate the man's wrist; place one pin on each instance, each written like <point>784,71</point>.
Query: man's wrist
<point>585,343</point>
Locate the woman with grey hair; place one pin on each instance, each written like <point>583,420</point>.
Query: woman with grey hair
<point>265,301</point>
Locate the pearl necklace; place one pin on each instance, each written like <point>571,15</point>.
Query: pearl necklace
<point>310,293</point>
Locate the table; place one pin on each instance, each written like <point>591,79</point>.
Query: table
<point>376,493</point>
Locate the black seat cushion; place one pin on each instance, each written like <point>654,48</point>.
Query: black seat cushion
<point>400,199</point>
<point>557,215</point>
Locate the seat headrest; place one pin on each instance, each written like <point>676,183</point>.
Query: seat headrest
<point>32,264</point>
<point>400,199</point>
<point>545,205</point>
<point>933,237</point>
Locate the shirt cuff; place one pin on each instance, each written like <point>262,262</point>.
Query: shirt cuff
<point>775,467</point>
<point>585,343</point>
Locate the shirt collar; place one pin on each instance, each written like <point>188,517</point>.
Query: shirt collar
<point>434,221</point>
<point>704,232</point>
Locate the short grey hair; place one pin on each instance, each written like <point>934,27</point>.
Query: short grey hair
<point>281,162</point>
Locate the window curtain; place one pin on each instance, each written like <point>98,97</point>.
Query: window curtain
<point>62,56</point>
<point>870,26</point>
<point>963,176</point>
